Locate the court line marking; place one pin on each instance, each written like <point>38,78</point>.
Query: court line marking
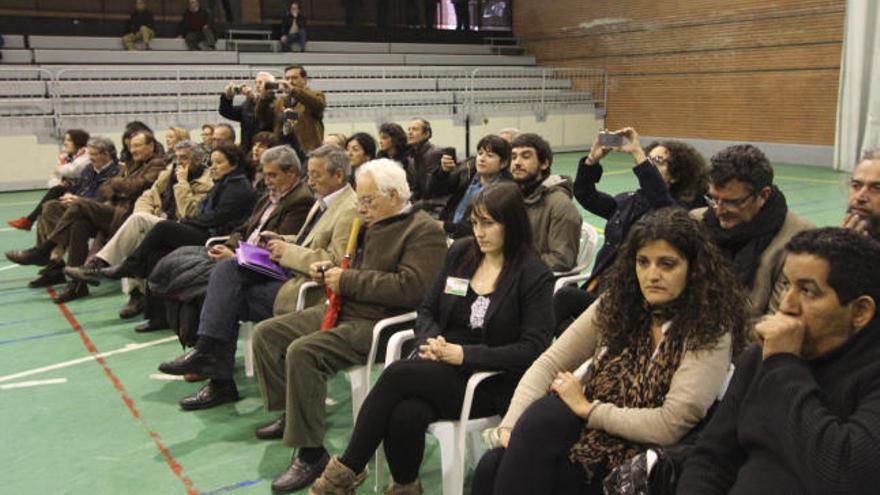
<point>163,376</point>
<point>33,383</point>
<point>9,267</point>
<point>86,359</point>
<point>175,467</point>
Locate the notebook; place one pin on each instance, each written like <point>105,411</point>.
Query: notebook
<point>255,258</point>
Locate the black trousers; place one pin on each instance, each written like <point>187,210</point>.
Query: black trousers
<point>568,303</point>
<point>409,396</point>
<point>536,460</point>
<point>53,193</point>
<point>164,237</point>
<point>462,16</point>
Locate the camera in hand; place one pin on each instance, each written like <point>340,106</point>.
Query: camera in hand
<point>236,90</point>
<point>289,115</point>
<point>270,86</point>
<point>610,139</point>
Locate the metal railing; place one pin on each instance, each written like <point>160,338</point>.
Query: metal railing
<point>105,98</point>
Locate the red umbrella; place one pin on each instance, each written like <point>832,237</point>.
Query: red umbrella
<point>335,300</point>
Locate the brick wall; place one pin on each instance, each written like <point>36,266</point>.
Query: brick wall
<point>740,70</point>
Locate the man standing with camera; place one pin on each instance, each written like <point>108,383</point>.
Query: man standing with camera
<point>255,112</point>
<point>300,111</point>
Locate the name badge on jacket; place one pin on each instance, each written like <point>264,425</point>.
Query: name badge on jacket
<point>457,286</point>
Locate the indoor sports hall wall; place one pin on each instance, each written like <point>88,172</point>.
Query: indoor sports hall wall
<point>763,71</point>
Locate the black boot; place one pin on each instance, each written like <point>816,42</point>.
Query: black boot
<point>51,275</point>
<point>73,290</point>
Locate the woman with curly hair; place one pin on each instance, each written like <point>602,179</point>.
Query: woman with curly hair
<point>669,173</point>
<point>661,339</point>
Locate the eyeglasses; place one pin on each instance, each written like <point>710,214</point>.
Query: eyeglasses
<point>658,160</point>
<point>365,201</point>
<point>730,203</point>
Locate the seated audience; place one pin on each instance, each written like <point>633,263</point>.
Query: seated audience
<point>72,161</point>
<point>131,129</point>
<point>863,202</point>
<point>748,218</point>
<point>299,109</point>
<point>556,222</point>
<point>196,26</point>
<point>207,138</point>
<point>425,160</point>
<point>293,29</point>
<point>255,112</point>
<point>140,26</point>
<point>69,225</point>
<point>183,275</point>
<point>175,195</point>
<point>463,181</point>
<point>498,318</point>
<point>336,139</point>
<point>509,133</point>
<point>173,136</point>
<point>236,293</point>
<point>392,145</point>
<point>660,338</point>
<point>361,148</point>
<point>223,134</point>
<point>671,173</point>
<point>224,208</point>
<point>262,141</point>
<point>398,259</point>
<point>801,415</point>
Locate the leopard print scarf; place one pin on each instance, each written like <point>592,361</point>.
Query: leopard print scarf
<point>629,379</point>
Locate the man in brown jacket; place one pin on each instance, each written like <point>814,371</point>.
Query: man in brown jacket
<point>399,255</point>
<point>300,111</point>
<point>103,215</point>
<point>749,219</point>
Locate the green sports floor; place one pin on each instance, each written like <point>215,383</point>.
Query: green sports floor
<point>83,409</point>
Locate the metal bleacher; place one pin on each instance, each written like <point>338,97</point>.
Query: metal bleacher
<point>67,89</point>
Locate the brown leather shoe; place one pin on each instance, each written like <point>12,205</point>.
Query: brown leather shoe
<point>134,306</point>
<point>272,430</point>
<point>50,275</point>
<point>73,290</point>
<point>300,474</point>
<point>194,377</point>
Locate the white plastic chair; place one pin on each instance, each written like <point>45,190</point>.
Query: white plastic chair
<point>586,250</point>
<point>359,376</point>
<point>454,437</point>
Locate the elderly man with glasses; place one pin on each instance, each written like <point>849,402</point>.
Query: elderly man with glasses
<point>749,219</point>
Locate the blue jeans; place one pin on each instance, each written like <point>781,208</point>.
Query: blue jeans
<point>298,37</point>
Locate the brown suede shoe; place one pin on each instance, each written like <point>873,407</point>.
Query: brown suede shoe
<point>414,488</point>
<point>337,479</point>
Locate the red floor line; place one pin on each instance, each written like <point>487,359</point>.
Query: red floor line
<point>176,468</point>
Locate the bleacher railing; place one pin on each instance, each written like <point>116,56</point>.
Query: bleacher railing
<point>104,99</point>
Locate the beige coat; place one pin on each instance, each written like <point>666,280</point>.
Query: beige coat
<point>694,387</point>
<point>767,286</point>
<point>326,241</point>
<point>186,195</point>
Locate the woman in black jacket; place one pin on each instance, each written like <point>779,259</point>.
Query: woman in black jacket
<point>226,206</point>
<point>488,310</point>
<point>392,144</point>
<point>461,182</point>
<point>670,173</point>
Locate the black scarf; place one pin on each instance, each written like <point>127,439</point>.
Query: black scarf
<point>744,243</point>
